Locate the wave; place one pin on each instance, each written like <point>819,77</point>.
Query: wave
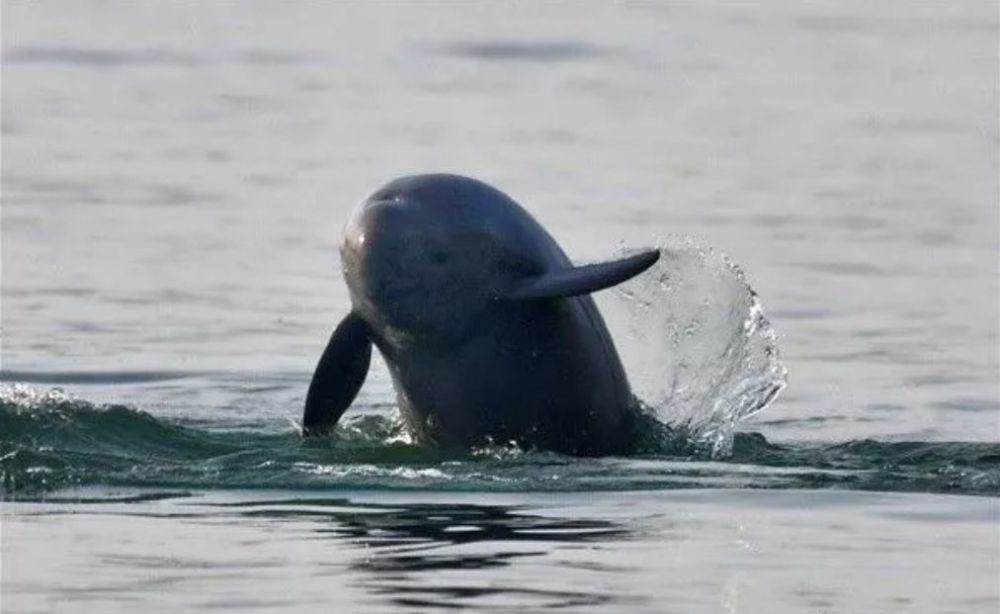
<point>51,441</point>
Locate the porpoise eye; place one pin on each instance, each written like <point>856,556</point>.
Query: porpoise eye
<point>438,257</point>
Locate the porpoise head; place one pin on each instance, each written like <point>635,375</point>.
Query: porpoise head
<point>425,257</point>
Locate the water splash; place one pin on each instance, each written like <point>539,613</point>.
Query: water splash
<point>692,334</point>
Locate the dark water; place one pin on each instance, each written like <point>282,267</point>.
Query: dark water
<point>174,180</point>
<point>51,442</point>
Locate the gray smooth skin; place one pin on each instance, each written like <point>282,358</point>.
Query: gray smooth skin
<point>487,328</point>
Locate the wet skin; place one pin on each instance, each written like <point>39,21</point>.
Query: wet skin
<point>487,328</point>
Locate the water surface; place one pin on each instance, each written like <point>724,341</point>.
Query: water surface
<point>174,182</point>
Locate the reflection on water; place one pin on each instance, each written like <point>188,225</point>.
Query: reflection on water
<point>407,547</point>
<point>681,551</point>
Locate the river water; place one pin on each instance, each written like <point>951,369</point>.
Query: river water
<point>175,177</point>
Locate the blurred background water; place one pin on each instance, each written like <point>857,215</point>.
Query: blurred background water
<point>175,176</point>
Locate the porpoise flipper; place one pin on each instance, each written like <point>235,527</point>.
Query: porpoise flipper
<point>338,377</point>
<point>573,281</point>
